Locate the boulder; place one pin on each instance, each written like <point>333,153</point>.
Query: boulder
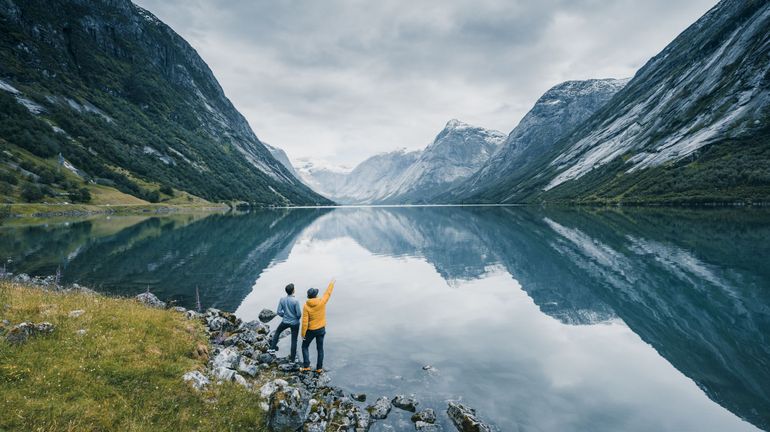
<point>223,374</point>
<point>362,421</point>
<point>192,315</point>
<point>20,333</point>
<point>464,418</point>
<point>196,379</point>
<point>247,367</point>
<point>426,427</point>
<point>407,403</point>
<point>151,300</point>
<point>271,387</point>
<point>266,315</point>
<point>427,416</point>
<point>76,313</point>
<point>241,380</point>
<point>179,309</point>
<point>218,323</point>
<point>265,358</point>
<point>287,409</point>
<point>358,396</point>
<point>256,326</point>
<point>380,409</point>
<point>227,358</point>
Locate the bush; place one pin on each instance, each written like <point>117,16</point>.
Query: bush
<point>31,192</point>
<point>166,189</point>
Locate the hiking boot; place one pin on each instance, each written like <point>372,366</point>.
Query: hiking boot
<point>319,371</point>
<point>304,369</point>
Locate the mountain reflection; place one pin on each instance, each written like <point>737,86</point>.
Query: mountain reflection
<point>695,285</point>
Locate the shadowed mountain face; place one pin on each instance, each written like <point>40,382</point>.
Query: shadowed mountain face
<point>691,284</point>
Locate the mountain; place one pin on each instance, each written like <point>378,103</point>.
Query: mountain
<point>554,115</point>
<point>283,158</point>
<point>325,179</point>
<point>106,90</point>
<point>693,125</point>
<point>375,178</point>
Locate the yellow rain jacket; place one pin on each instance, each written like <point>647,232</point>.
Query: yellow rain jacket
<point>314,311</point>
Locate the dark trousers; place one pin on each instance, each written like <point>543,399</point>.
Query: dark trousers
<point>318,335</point>
<point>294,332</point>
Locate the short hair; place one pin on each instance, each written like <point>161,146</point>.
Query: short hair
<point>290,289</point>
<point>312,293</point>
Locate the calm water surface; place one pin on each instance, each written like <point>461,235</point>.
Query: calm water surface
<point>543,320</point>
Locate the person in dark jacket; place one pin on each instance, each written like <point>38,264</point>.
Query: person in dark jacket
<point>290,311</point>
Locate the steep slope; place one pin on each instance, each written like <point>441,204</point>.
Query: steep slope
<point>693,125</point>
<point>283,158</point>
<point>457,152</point>
<point>128,103</point>
<point>555,114</point>
<point>325,179</point>
<point>375,178</point>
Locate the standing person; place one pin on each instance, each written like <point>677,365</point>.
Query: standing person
<point>314,326</point>
<point>288,309</point>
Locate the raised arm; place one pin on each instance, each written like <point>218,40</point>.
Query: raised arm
<point>328,292</point>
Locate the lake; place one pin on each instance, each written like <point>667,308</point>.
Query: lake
<point>541,319</point>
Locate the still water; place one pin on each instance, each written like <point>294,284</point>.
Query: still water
<point>543,320</point>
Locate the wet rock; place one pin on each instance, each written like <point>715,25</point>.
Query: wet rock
<point>76,313</point>
<point>362,420</point>
<point>426,427</point>
<point>465,419</point>
<point>427,416</point>
<point>227,358</point>
<point>430,369</point>
<point>407,403</point>
<point>151,300</point>
<point>223,374</point>
<point>21,333</point>
<point>287,408</point>
<point>380,409</point>
<point>266,315</point>
<point>358,396</point>
<point>196,379</point>
<point>248,368</point>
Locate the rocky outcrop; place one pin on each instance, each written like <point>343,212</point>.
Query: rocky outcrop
<point>151,300</point>
<point>266,315</point>
<point>406,403</point>
<point>465,419</point>
<point>287,409</point>
<point>21,333</point>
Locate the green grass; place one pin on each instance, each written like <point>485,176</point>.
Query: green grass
<point>123,374</point>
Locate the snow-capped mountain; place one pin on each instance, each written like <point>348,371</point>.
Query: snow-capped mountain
<point>693,125</point>
<point>457,152</point>
<point>376,178</point>
<point>324,178</point>
<point>554,115</point>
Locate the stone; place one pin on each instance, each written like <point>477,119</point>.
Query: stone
<point>76,313</point>
<point>430,369</point>
<point>289,367</point>
<point>192,315</point>
<point>426,427</point>
<point>151,300</point>
<point>271,387</point>
<point>380,409</point>
<point>241,380</point>
<point>81,332</point>
<point>223,374</point>
<point>362,421</point>
<point>196,379</point>
<point>227,358</point>
<point>266,358</point>
<point>358,396</point>
<point>266,315</point>
<point>465,419</point>
<point>427,415</point>
<point>217,323</point>
<point>247,367</point>
<point>287,408</point>
<point>179,309</point>
<point>407,403</point>
<point>21,333</point>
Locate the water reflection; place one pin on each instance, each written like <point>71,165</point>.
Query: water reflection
<point>543,319</point>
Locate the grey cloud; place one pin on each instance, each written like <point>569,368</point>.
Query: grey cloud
<point>343,79</point>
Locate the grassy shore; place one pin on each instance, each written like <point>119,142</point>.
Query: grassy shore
<point>124,373</point>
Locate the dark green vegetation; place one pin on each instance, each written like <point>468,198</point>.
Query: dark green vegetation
<point>129,104</point>
<point>711,80</point>
<point>124,373</point>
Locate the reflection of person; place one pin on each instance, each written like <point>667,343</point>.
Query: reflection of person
<point>314,326</point>
<point>288,309</point>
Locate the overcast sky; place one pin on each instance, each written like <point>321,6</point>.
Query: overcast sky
<point>341,80</point>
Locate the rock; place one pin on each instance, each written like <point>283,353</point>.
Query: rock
<point>21,333</point>
<point>464,418</point>
<point>362,421</point>
<point>217,323</point>
<point>247,367</point>
<point>179,309</point>
<point>223,374</point>
<point>380,409</point>
<point>358,396</point>
<point>426,427</point>
<point>196,379</point>
<point>241,380</point>
<point>227,358</point>
<point>151,300</point>
<point>407,403</point>
<point>271,387</point>
<point>287,408</point>
<point>192,315</point>
<point>81,332</point>
<point>266,315</point>
<point>256,326</point>
<point>289,367</point>
<point>427,415</point>
<point>266,358</point>
<point>430,369</point>
<point>76,313</point>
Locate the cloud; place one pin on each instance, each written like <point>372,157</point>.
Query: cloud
<point>340,80</point>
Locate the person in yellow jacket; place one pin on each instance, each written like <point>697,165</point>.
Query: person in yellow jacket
<point>314,326</point>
